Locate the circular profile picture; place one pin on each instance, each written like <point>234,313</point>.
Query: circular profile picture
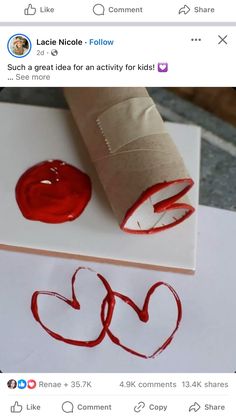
<point>11,384</point>
<point>19,45</point>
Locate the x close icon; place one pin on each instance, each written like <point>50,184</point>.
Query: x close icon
<point>223,39</point>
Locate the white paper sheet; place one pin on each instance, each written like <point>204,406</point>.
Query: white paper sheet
<point>205,341</point>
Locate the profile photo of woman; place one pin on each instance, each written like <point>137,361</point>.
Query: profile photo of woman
<point>11,384</point>
<point>19,46</point>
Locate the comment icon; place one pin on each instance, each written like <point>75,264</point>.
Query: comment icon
<point>99,9</point>
<point>67,407</point>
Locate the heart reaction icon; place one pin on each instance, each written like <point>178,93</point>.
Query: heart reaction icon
<point>31,384</point>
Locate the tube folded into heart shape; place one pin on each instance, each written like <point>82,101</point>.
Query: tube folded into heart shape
<point>139,166</point>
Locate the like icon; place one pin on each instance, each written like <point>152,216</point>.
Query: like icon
<point>16,408</point>
<point>22,384</point>
<point>30,10</point>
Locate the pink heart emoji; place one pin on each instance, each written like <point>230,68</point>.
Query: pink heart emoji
<point>74,303</point>
<point>143,315</point>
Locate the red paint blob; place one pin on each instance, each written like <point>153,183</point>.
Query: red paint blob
<point>144,317</point>
<point>74,303</point>
<point>53,192</point>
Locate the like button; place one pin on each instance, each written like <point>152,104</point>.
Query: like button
<point>30,10</point>
<point>16,408</point>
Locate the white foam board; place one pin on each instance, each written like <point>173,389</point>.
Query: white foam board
<point>32,134</point>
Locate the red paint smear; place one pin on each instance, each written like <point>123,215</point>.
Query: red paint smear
<point>144,317</point>
<point>109,304</point>
<point>165,205</point>
<point>53,192</point>
<point>74,303</point>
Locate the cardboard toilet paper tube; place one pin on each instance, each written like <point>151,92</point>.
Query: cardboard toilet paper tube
<point>139,166</point>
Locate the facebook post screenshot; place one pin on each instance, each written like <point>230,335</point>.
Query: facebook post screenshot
<point>118,209</point>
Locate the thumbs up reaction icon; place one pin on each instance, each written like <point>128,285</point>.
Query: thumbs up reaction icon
<point>16,408</point>
<point>30,10</point>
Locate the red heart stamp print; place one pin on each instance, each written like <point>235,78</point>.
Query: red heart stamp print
<point>107,306</point>
<point>143,315</point>
<point>74,303</point>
